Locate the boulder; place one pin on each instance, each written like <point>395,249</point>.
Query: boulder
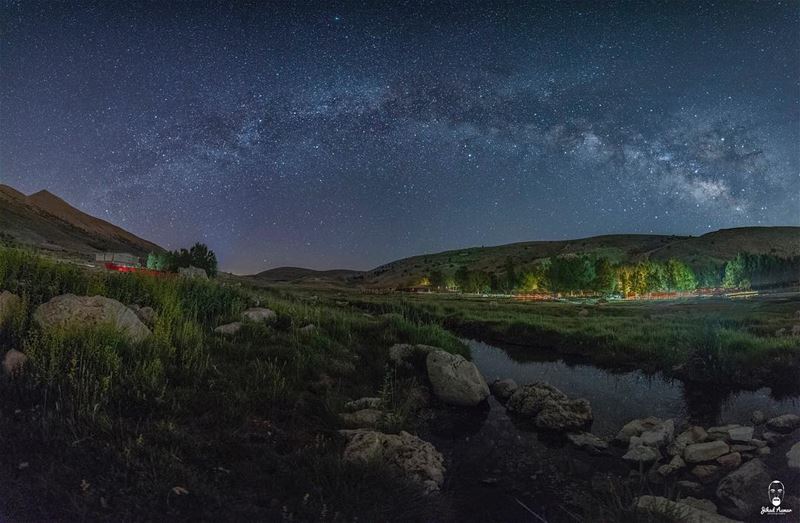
<point>407,356</point>
<point>641,454</point>
<point>529,399</point>
<point>740,434</point>
<point>708,451</point>
<point>503,389</point>
<point>146,314</point>
<point>793,457</point>
<point>229,328</point>
<point>418,460</point>
<point>660,435</point>
<point>706,474</point>
<point>8,302</point>
<point>364,418</point>
<point>682,511</point>
<point>635,428</point>
<point>784,424</point>
<point>565,415</point>
<point>741,492</point>
<point>90,311</point>
<point>363,403</point>
<point>13,362</point>
<point>588,442</point>
<point>193,272</point>
<point>455,380</point>
<point>259,314</point>
<point>722,433</point>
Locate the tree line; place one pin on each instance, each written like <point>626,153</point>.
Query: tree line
<point>199,255</point>
<point>581,274</point>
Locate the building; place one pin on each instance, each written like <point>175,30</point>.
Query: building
<point>122,259</point>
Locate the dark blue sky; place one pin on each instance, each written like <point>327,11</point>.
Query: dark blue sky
<point>351,134</point>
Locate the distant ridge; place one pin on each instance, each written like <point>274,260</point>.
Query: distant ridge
<point>46,221</point>
<point>713,248</point>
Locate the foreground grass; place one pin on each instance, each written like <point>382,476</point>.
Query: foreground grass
<point>189,424</point>
<point>734,342</point>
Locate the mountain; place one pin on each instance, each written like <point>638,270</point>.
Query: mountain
<point>710,249</point>
<point>300,275</point>
<point>46,221</point>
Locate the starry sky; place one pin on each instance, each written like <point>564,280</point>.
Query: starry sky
<point>337,134</point>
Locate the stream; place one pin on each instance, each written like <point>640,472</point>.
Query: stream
<point>503,469</point>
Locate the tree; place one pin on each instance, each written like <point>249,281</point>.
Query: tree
<point>462,278</point>
<point>512,279</point>
<point>203,257</point>
<point>437,279</point>
<point>605,276</point>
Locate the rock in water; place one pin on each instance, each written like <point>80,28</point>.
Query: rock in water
<point>417,459</point>
<point>503,389</point>
<point>90,311</point>
<point>259,314</point>
<point>531,398</point>
<point>565,415</point>
<point>784,424</point>
<point>705,451</point>
<point>742,491</point>
<point>455,380</point>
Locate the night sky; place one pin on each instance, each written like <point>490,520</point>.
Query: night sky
<point>349,135</point>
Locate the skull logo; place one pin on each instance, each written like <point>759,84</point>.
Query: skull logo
<point>776,493</point>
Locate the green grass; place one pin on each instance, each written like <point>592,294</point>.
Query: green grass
<point>246,424</point>
<point>713,340</point>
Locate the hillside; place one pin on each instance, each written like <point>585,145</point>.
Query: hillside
<point>712,248</point>
<point>45,221</point>
<point>298,274</point>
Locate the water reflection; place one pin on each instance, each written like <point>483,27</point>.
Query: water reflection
<point>618,397</point>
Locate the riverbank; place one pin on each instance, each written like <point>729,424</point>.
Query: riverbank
<point>741,343</point>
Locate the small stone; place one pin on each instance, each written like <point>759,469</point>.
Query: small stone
<point>764,451</point>
<point>503,389</point>
<point>642,454</point>
<point>758,417</point>
<point>259,314</point>
<point>699,452</point>
<point>730,461</point>
<point>721,433</point>
<point>308,329</point>
<point>784,424</point>
<point>635,428</point>
<point>13,362</point>
<point>229,329</point>
<point>706,473</point>
<point>675,464</point>
<point>757,443</point>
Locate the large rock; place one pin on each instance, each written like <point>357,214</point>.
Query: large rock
<point>90,311</point>
<point>660,435</point>
<point>793,457</point>
<point>146,314</point>
<point>503,389</point>
<point>565,415</point>
<point>742,491</point>
<point>635,428</point>
<point>686,512</point>
<point>8,302</point>
<point>699,452</point>
<point>529,399</point>
<point>13,362</point>
<point>784,424</point>
<point>455,380</point>
<point>418,460</point>
<point>193,272</point>
<point>229,329</point>
<point>259,314</point>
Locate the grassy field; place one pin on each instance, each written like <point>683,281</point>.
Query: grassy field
<point>732,342</point>
<point>189,424</point>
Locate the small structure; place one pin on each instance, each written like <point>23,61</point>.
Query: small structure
<point>122,259</point>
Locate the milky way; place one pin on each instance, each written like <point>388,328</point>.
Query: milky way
<point>348,135</point>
